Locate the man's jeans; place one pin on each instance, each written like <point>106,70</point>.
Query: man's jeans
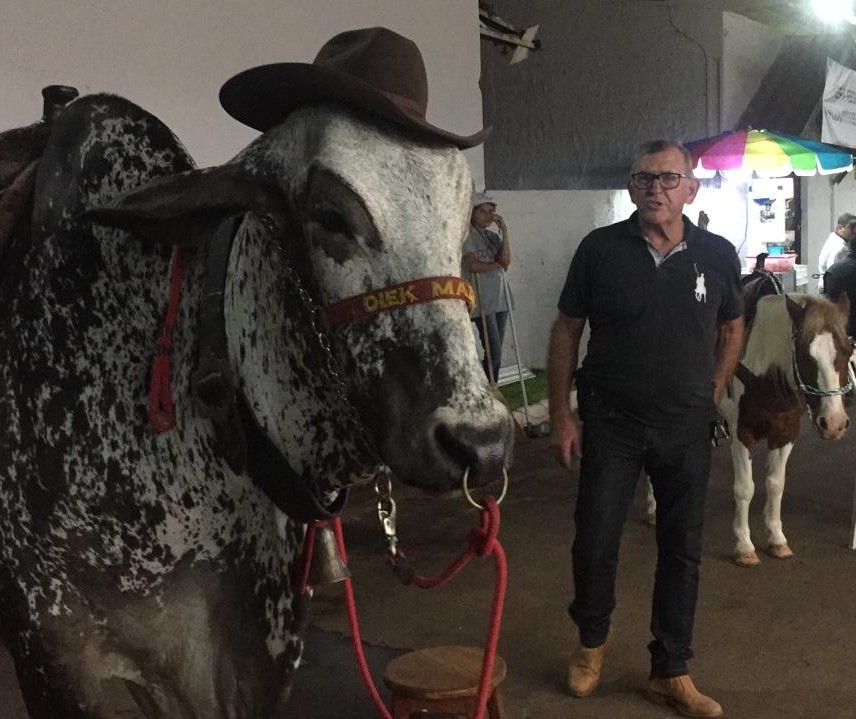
<point>615,449</point>
<point>495,325</point>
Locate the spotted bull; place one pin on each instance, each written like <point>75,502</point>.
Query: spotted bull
<point>158,566</point>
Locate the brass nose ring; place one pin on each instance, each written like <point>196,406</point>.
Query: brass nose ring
<point>470,496</point>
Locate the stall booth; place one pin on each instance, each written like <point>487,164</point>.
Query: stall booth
<point>772,218</point>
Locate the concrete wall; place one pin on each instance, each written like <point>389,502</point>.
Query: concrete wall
<point>610,76</point>
<point>749,49</point>
<point>172,57</point>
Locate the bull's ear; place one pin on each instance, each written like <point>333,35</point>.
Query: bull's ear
<point>186,208</point>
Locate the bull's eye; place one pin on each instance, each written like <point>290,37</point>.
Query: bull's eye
<point>331,221</point>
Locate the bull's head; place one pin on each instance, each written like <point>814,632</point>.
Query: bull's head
<point>335,208</point>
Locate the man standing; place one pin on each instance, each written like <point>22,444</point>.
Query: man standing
<point>835,247</point>
<point>663,302</point>
<point>485,256</point>
<point>841,277</point>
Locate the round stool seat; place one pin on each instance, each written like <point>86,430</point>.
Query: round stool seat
<point>439,673</point>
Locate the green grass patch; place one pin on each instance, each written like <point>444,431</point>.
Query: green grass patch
<point>536,390</point>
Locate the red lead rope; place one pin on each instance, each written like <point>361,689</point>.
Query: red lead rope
<point>482,542</point>
<point>161,408</point>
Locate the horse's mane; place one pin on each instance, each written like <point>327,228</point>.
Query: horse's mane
<point>823,316</point>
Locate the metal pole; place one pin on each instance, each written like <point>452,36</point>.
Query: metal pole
<point>485,338</point>
<point>516,349</point>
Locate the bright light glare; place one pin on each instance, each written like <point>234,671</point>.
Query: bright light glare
<point>834,10</point>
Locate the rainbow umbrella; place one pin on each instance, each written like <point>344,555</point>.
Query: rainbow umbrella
<point>766,153</point>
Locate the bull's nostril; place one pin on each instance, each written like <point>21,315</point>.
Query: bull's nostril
<point>822,423</point>
<point>481,449</point>
<point>456,445</point>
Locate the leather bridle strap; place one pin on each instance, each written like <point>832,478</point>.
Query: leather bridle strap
<point>373,302</point>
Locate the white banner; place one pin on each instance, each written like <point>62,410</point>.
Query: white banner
<point>839,105</point>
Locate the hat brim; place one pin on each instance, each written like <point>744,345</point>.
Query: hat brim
<point>262,97</point>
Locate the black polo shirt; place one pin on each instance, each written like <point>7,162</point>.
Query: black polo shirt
<point>841,277</point>
<point>653,328</point>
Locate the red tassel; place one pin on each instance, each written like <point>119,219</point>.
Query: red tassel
<point>161,408</point>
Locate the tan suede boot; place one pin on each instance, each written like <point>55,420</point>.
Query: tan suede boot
<point>681,693</point>
<point>584,670</point>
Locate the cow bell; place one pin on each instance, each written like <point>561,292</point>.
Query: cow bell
<point>327,565</point>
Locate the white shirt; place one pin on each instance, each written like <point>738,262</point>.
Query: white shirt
<point>834,249</point>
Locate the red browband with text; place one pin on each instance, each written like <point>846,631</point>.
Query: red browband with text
<point>369,304</point>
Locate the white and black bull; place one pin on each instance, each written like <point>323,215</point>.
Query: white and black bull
<point>163,563</point>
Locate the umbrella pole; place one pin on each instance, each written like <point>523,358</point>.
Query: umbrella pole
<point>516,351</point>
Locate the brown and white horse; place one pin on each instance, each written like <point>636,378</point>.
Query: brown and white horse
<point>795,359</point>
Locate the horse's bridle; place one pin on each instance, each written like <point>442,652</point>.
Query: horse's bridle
<point>801,385</point>
<point>817,391</point>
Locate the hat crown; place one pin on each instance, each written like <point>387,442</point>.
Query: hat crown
<point>387,61</point>
<point>372,70</point>
<point>481,198</point>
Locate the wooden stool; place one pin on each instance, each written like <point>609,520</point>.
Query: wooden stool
<point>442,679</point>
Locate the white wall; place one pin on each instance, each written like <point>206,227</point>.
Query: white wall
<point>825,200</point>
<point>172,57</point>
<point>545,229</point>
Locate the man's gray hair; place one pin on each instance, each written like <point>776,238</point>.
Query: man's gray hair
<point>654,146</point>
<point>847,219</point>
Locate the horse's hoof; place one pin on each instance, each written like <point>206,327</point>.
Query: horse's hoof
<point>780,551</point>
<point>747,559</point>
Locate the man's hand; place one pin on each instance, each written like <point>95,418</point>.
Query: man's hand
<point>565,438</point>
<point>500,223</point>
<point>562,356</point>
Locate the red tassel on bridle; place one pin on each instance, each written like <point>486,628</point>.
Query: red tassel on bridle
<point>161,408</point>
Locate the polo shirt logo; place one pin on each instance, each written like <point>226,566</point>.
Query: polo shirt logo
<point>700,289</point>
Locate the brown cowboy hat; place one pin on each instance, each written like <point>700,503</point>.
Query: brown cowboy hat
<point>374,69</point>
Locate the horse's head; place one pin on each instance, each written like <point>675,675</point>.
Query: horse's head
<point>821,354</point>
<point>343,209</point>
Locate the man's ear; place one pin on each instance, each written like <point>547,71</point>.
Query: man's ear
<point>694,188</point>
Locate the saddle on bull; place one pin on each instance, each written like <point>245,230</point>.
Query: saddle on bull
<point>156,475</point>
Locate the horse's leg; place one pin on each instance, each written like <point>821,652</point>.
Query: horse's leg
<point>744,489</point>
<point>777,461</point>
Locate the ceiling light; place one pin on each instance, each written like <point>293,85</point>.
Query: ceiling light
<point>832,11</point>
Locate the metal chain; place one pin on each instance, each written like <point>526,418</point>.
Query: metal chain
<point>381,475</point>
<point>809,389</point>
<point>331,365</point>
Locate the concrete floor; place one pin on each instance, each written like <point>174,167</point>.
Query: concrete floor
<point>777,641</point>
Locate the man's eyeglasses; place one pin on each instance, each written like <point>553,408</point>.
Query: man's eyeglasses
<point>668,180</point>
